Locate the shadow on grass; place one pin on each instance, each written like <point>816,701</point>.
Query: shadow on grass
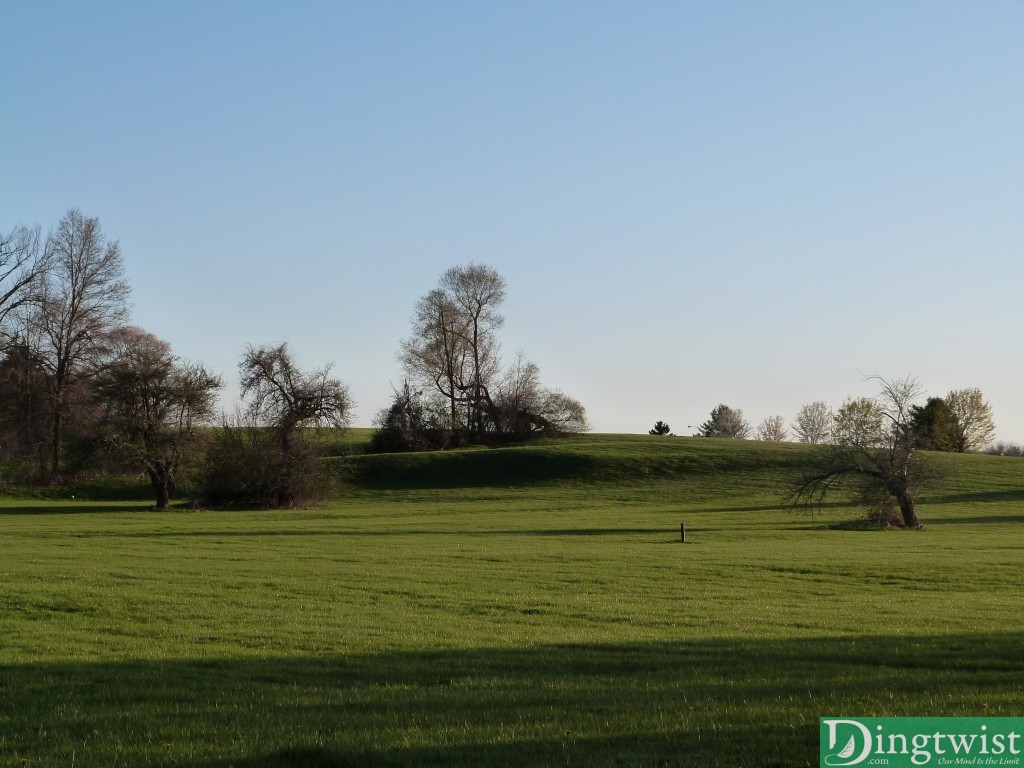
<point>713,702</point>
<point>395,532</point>
<point>71,508</point>
<point>483,468</point>
<point>997,497</point>
<point>975,519</point>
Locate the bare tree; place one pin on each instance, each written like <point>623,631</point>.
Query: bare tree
<point>813,423</point>
<point>437,354</point>
<point>83,295</point>
<point>410,423</point>
<point>517,399</point>
<point>478,291</point>
<point>454,348</point>
<point>974,428</point>
<point>726,422</point>
<point>285,400</point>
<point>154,405</point>
<point>881,468</point>
<point>22,264</point>
<point>453,352</point>
<point>522,405</point>
<point>772,429</point>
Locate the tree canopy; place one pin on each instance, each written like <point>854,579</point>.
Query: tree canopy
<point>726,422</point>
<point>155,406</point>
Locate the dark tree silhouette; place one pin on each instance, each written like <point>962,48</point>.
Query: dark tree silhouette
<point>155,406</point>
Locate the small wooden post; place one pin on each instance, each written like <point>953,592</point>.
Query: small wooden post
<point>682,532</point>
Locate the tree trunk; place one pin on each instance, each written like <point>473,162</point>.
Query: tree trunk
<point>57,464</point>
<point>162,487</point>
<point>909,511</point>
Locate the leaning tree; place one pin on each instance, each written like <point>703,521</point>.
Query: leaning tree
<point>874,455</point>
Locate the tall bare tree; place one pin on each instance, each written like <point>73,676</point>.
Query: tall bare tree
<point>478,291</point>
<point>83,296</point>
<point>437,354</point>
<point>453,347</point>
<point>154,405</point>
<point>453,356</point>
<point>22,264</point>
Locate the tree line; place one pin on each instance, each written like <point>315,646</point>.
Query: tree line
<point>875,449</point>
<point>82,390</point>
<point>960,422</point>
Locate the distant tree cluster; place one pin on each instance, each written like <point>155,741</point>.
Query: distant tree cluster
<point>959,422</point>
<point>80,388</point>
<point>1005,449</point>
<point>873,447</point>
<point>457,390</point>
<point>85,392</point>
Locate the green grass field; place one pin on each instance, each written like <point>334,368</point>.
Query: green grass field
<point>516,606</point>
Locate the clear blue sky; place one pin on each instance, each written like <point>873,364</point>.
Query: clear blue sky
<point>693,203</point>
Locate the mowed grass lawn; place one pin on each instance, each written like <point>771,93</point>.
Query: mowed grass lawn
<point>521,606</point>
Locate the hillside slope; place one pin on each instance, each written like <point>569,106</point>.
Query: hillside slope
<point>699,467</point>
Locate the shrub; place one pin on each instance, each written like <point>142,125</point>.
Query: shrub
<point>246,467</point>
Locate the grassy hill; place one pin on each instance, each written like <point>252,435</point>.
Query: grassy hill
<point>584,460</point>
<point>697,469</point>
<point>528,605</point>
